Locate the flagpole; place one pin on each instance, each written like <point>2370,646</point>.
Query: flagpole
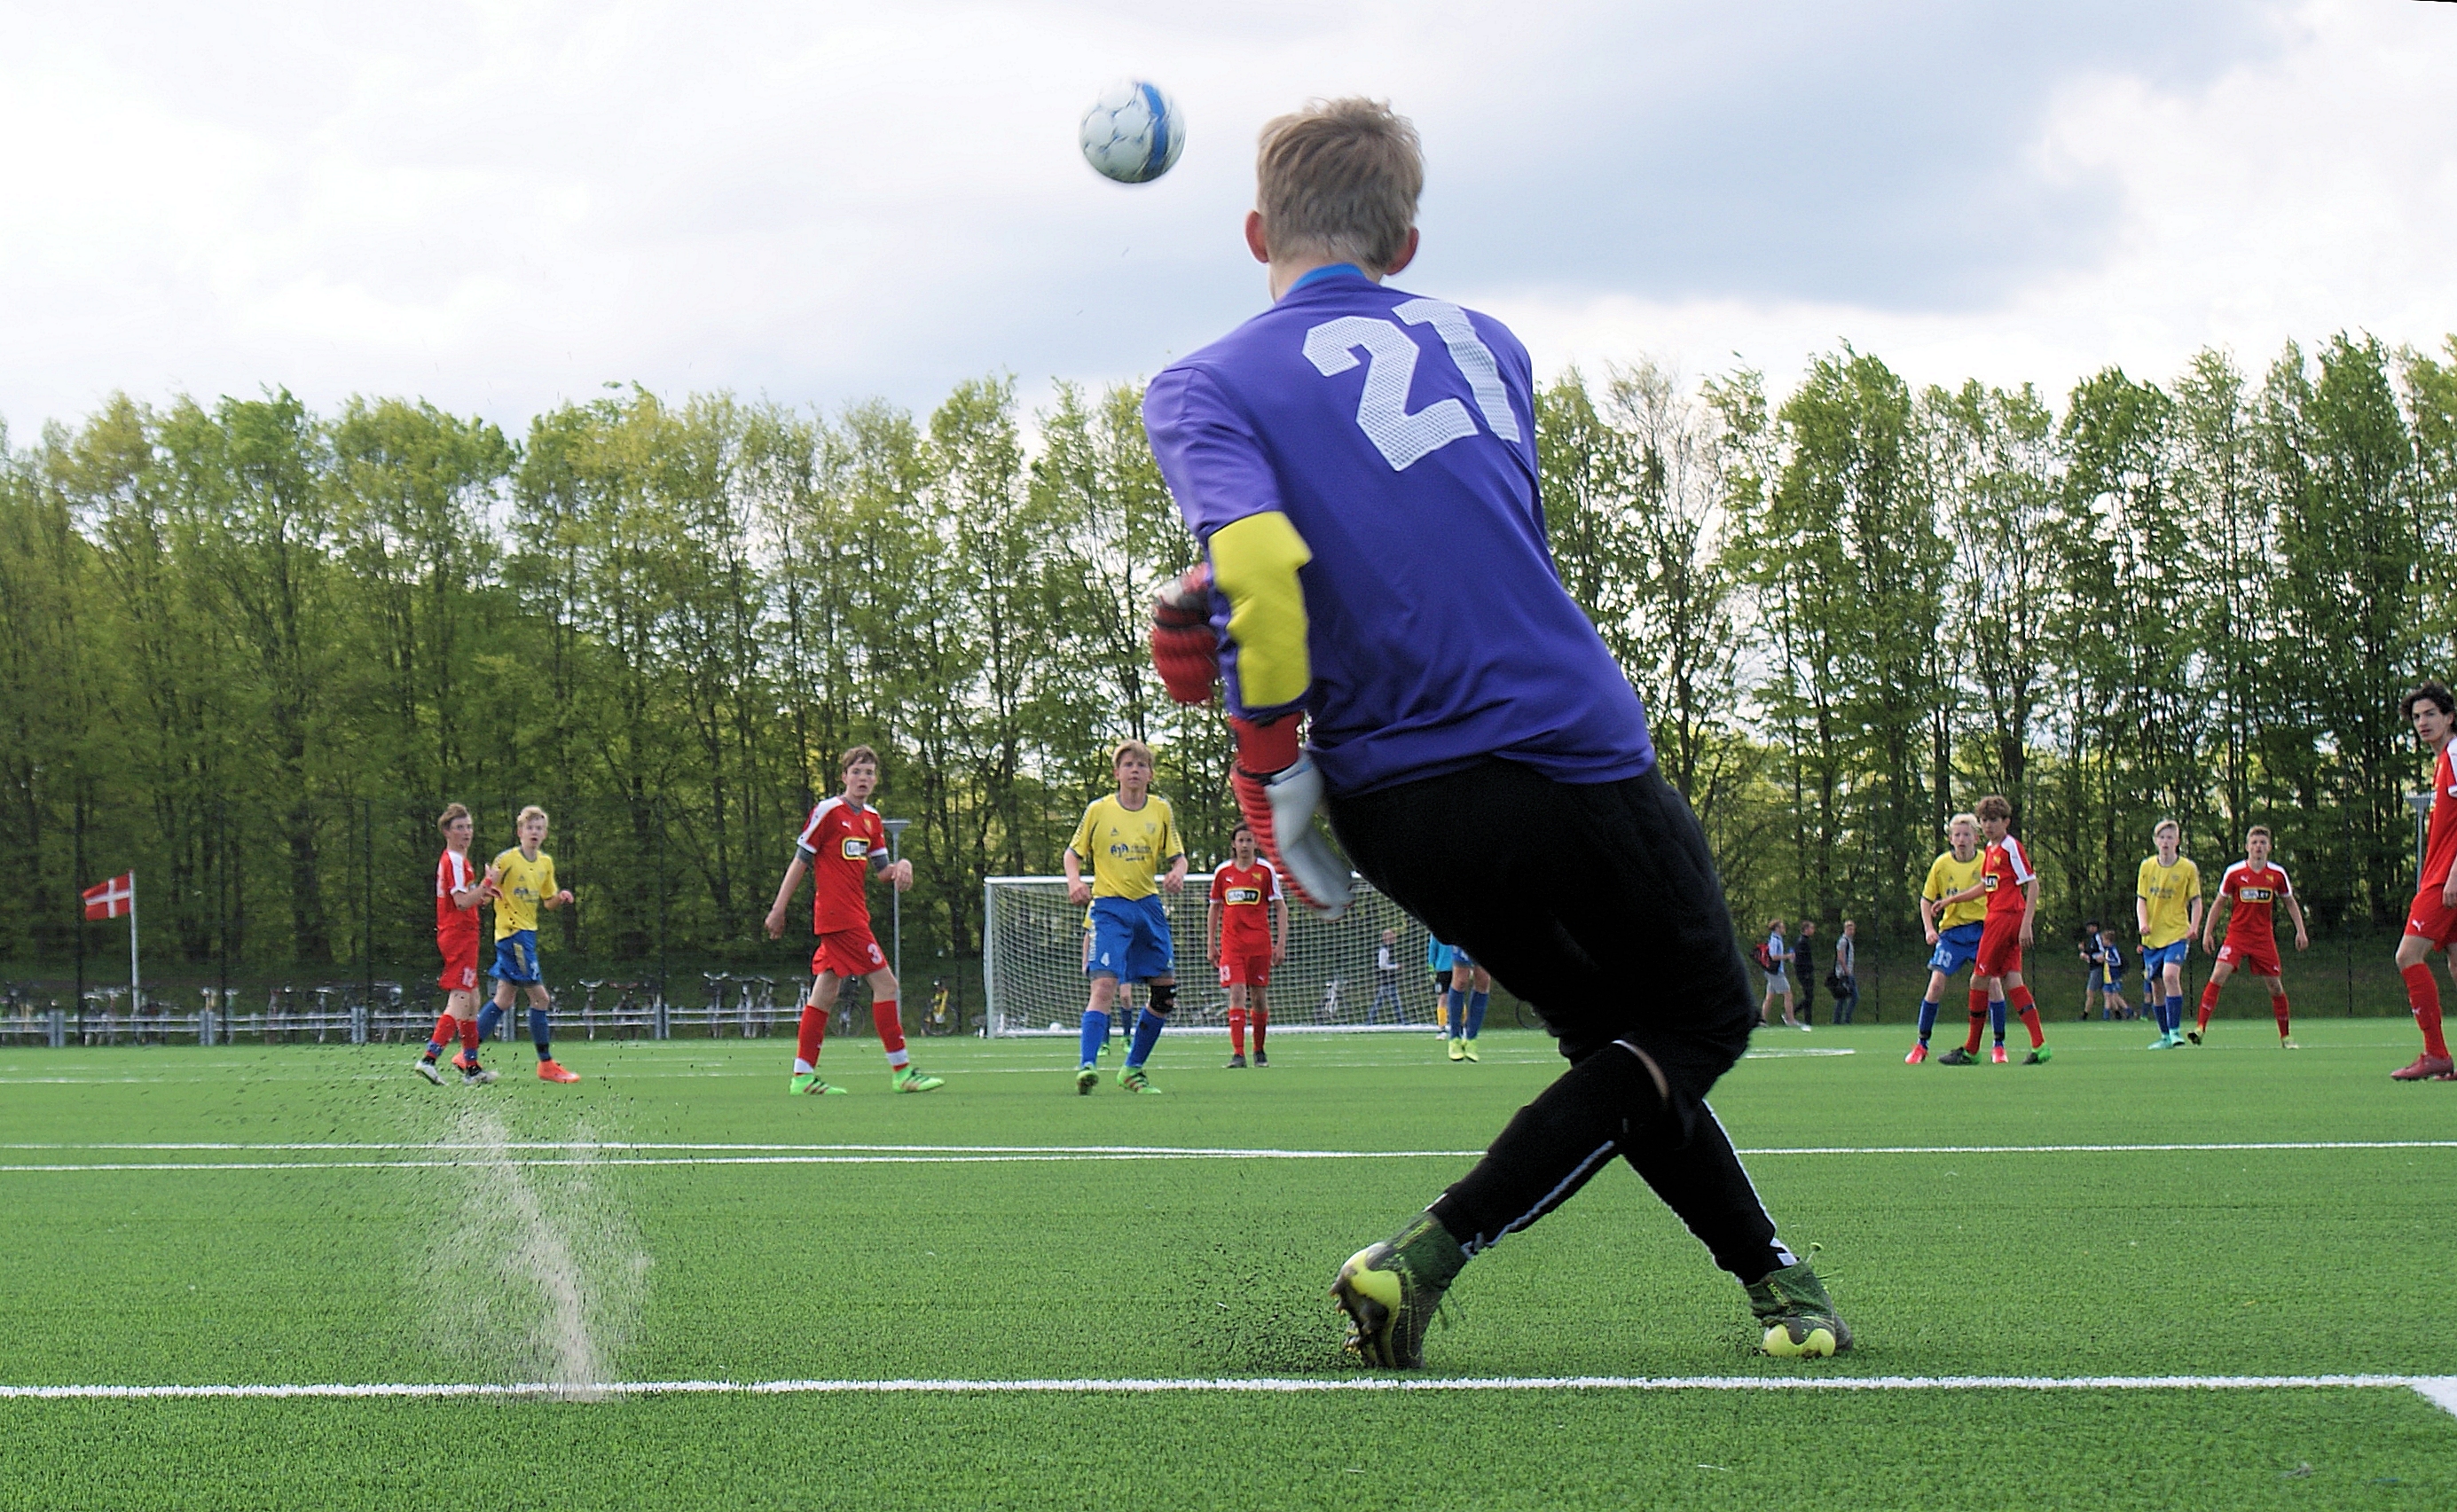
<point>135,988</point>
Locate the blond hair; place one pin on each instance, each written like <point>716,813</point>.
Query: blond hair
<point>1132,747</point>
<point>452,814</point>
<point>2162,826</point>
<point>532,811</point>
<point>1339,179</point>
<point>1973,820</point>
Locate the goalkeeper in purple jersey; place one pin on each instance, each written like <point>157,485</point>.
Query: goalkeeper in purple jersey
<point>1300,448</point>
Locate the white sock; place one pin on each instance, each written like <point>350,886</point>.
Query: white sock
<point>803,1068</point>
<point>898,1059</point>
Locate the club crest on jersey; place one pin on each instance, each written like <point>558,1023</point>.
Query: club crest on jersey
<point>856,847</point>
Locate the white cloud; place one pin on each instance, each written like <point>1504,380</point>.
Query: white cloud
<point>501,206</point>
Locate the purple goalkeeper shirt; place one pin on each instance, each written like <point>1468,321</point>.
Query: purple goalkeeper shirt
<point>1398,435</point>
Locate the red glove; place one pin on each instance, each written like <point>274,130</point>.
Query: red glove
<point>1278,789</point>
<point>1184,647</point>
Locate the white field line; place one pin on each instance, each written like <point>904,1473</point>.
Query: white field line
<point>2439,1390</point>
<point>450,1156</point>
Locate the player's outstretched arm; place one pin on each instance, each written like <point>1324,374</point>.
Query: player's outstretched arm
<point>784,896</point>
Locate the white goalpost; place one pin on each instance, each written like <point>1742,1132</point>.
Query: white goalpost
<point>1032,964</point>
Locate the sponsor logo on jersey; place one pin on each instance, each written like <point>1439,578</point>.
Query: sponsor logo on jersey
<point>1243,895</point>
<point>856,846</point>
<point>1989,882</point>
<point>2252,894</point>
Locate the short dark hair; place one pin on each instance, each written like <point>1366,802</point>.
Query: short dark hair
<point>2089,928</point>
<point>2432,691</point>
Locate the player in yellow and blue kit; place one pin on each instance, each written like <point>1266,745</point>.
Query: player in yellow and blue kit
<point>2167,906</point>
<point>525,884</point>
<point>1346,459</point>
<point>1128,837</point>
<point>1954,929</point>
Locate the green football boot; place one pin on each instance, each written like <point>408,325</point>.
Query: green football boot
<point>1390,1292</point>
<point>1798,1316</point>
<point>807,1084</point>
<point>1470,1051</point>
<point>913,1079</point>
<point>1086,1077</point>
<point>1459,1050</point>
<point>1131,1078</point>
<point>1958,1056</point>
<point>2039,1056</point>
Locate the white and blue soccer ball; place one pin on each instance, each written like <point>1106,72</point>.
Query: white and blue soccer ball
<point>1134,132</point>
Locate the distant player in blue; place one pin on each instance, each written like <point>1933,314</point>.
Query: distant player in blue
<point>1471,751</point>
<point>1464,1005</point>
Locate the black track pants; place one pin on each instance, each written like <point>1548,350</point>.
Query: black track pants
<point>1599,904</point>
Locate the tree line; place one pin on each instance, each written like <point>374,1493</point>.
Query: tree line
<point>249,649</point>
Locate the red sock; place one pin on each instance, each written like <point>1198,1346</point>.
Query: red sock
<point>1262,1017</point>
<point>2022,1002</point>
<point>890,1030</point>
<point>2278,1011</point>
<point>442,1034</point>
<point>1236,1031</point>
<point>469,1038</point>
<point>2423,994</point>
<point>2209,1006</point>
<point>815,1034</point>
<point>1978,1018</point>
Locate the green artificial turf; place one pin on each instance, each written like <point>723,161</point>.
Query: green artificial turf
<point>2018,1264</point>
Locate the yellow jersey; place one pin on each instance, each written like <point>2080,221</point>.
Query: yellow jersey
<point>525,884</point>
<point>1128,848</point>
<point>1947,876</point>
<point>2171,892</point>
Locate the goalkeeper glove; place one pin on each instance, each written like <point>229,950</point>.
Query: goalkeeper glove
<point>1184,647</point>
<point>1278,789</point>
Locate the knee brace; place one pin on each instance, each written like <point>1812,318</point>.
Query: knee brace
<point>1162,999</point>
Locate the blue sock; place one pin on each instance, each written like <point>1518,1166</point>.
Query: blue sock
<point>2174,1020</point>
<point>1928,1017</point>
<point>1455,1013</point>
<point>434,1047</point>
<point>1096,1032</point>
<point>1997,1018</point>
<point>1146,1035</point>
<point>489,1017</point>
<point>1475,1006</point>
<point>539,1035</point>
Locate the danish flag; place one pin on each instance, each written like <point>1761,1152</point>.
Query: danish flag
<point>109,899</point>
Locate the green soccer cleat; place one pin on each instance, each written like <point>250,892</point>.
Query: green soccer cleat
<point>426,1068</point>
<point>913,1079</point>
<point>1131,1078</point>
<point>1470,1051</point>
<point>2039,1056</point>
<point>1086,1077</point>
<point>1390,1292</point>
<point>1958,1056</point>
<point>1798,1318</point>
<point>2166,1041</point>
<point>807,1084</point>
<point>1459,1050</point>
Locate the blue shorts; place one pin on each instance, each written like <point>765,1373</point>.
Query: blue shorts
<point>2156,958</point>
<point>1460,957</point>
<point>1130,940</point>
<point>516,957</point>
<point>1956,947</point>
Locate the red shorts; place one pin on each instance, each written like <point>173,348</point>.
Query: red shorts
<point>1240,969</point>
<point>2260,959</point>
<point>2430,918</point>
<point>459,966</point>
<point>848,953</point>
<point>2000,945</point>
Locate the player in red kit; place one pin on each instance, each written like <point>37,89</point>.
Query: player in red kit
<point>1246,901</point>
<point>2012,888</point>
<point>2254,887</point>
<point>841,844</point>
<point>2432,922</point>
<point>459,889</point>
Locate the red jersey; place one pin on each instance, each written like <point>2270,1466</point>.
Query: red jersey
<point>2254,891</point>
<point>455,928</point>
<point>2439,842</point>
<point>840,839</point>
<point>2003,872</point>
<point>1245,895</point>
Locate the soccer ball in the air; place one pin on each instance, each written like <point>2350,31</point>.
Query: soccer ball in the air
<point>1133,133</point>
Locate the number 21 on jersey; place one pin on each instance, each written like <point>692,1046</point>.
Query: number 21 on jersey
<point>1391,365</point>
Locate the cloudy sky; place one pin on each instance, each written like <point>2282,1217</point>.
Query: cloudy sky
<point>501,206</point>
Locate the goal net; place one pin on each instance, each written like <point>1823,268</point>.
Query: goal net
<point>1033,952</point>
